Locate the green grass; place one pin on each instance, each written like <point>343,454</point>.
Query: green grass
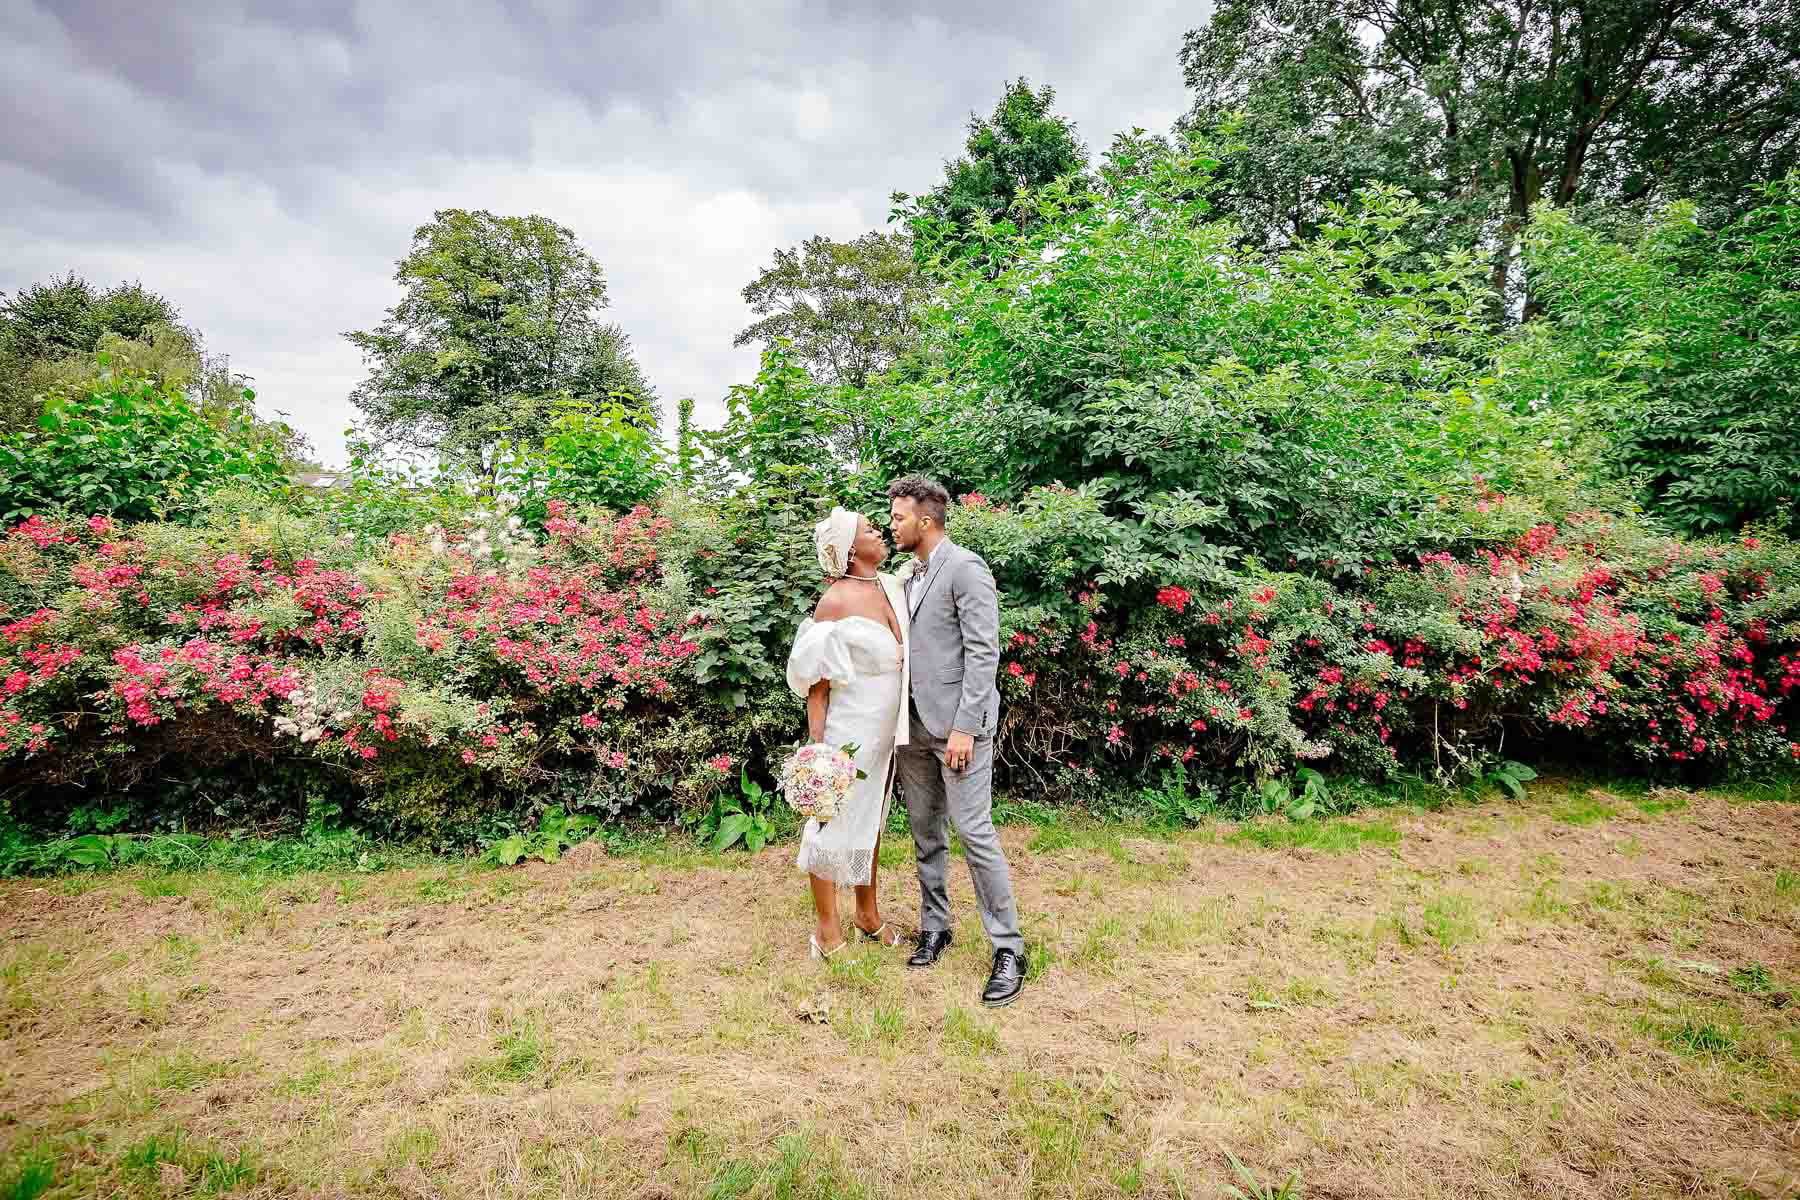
<point>163,862</point>
<point>1451,921</point>
<point>184,1072</point>
<point>521,1053</point>
<point>1655,805</point>
<point>1753,979</point>
<point>1170,927</point>
<point>1337,836</point>
<point>800,1169</point>
<point>969,1035</point>
<point>1546,903</point>
<point>34,1175</point>
<point>152,1151</point>
<point>1583,810</point>
<point>220,1174</point>
<point>1097,947</point>
<point>859,967</point>
<point>1691,1037</point>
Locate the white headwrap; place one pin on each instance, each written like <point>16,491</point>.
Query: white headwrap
<point>833,536</point>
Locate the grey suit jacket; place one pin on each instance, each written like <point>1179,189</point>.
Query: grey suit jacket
<point>954,650</point>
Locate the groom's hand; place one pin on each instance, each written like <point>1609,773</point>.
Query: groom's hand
<point>958,750</point>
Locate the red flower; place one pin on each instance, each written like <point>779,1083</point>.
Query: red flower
<point>1174,598</point>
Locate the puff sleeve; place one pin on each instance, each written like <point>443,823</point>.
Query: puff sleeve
<point>819,653</point>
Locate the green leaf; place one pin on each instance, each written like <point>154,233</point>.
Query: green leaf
<point>731,829</point>
<point>90,850</point>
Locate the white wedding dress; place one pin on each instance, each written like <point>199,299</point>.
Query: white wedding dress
<point>865,665</point>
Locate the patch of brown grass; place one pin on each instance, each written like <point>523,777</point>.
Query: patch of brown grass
<point>1504,1002</point>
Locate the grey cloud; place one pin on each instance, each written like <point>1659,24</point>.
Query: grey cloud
<point>265,164</point>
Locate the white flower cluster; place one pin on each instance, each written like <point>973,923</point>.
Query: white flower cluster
<point>308,720</point>
<point>490,537</point>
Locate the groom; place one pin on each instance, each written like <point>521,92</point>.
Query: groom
<point>947,768</point>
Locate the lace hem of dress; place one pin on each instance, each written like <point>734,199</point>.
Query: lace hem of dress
<point>849,868</point>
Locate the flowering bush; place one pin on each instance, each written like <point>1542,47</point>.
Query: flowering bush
<point>449,670</point>
<point>632,662</point>
<point>1586,637</point>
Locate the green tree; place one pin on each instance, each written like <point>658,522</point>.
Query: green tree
<point>1022,147</point>
<point>1308,405</point>
<point>590,455</point>
<point>1485,107</point>
<point>500,318</point>
<point>49,332</point>
<point>1673,358</point>
<point>132,447</point>
<point>64,338</point>
<point>846,307</point>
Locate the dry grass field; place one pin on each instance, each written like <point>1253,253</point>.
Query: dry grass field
<point>1582,995</point>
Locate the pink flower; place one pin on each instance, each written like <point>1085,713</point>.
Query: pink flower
<point>468,757</point>
<point>720,763</point>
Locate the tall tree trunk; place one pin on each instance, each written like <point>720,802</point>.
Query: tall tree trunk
<point>1522,192</point>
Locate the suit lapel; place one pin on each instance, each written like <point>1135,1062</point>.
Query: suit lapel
<point>931,573</point>
<point>896,598</point>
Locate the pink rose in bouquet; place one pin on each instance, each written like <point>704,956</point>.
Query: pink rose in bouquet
<point>817,779</point>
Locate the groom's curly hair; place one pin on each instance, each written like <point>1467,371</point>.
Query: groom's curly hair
<point>928,494</point>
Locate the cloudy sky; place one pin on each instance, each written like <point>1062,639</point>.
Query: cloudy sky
<point>264,165</point>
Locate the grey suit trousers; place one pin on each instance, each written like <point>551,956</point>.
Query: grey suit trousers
<point>933,793</point>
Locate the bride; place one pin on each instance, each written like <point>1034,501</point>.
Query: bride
<point>849,663</point>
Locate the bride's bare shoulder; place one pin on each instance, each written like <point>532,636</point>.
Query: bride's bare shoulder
<point>835,604</point>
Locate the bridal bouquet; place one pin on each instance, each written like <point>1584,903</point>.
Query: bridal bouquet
<point>817,779</point>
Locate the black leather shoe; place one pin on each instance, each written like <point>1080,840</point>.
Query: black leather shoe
<point>932,944</point>
<point>1006,981</point>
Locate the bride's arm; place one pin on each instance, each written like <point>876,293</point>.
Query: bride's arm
<point>818,698</point>
<point>817,701</point>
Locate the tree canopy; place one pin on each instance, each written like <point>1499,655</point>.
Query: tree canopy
<point>48,325</point>
<point>500,318</point>
<point>1022,146</point>
<point>1485,107</point>
<point>846,308</point>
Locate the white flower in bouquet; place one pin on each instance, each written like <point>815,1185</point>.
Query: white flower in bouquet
<point>817,779</point>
